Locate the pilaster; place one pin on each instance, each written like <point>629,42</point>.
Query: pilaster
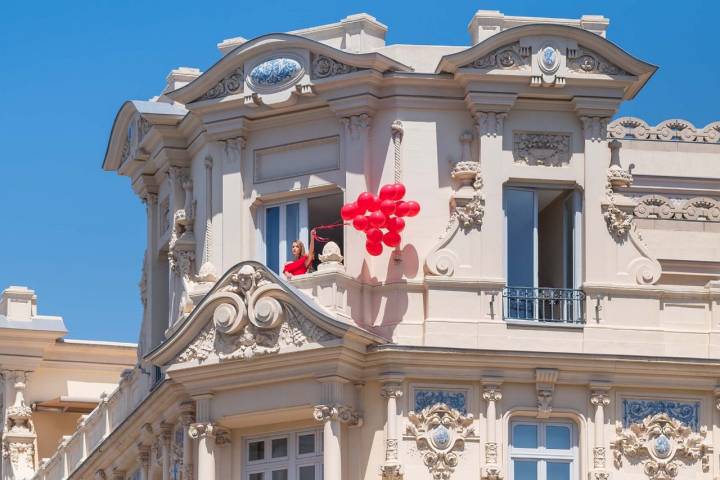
<point>599,399</point>
<point>392,390</point>
<point>18,439</point>
<point>492,395</point>
<point>233,206</point>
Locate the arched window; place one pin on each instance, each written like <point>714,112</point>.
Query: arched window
<point>543,450</point>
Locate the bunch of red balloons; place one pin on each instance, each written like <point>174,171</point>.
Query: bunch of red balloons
<point>380,216</point>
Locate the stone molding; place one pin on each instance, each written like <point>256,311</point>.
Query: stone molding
<point>545,379</point>
<point>662,445</point>
<point>667,131</point>
<point>663,208</point>
<point>440,433</point>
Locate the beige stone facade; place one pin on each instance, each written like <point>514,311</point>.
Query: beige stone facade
<point>552,313</point>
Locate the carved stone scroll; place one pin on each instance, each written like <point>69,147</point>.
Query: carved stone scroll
<point>230,85</point>
<point>508,57</point>
<point>670,130</point>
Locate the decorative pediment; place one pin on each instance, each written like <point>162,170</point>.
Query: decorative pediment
<point>549,55</point>
<point>249,313</point>
<point>274,70</point>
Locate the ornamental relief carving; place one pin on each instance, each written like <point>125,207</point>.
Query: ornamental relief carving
<point>440,433</point>
<point>662,445</point>
<point>670,130</point>
<point>325,67</point>
<point>582,60</point>
<point>230,85</point>
<point>251,317</point>
<point>660,207</point>
<point>508,57</point>
<point>546,149</point>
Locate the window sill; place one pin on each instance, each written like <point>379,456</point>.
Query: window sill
<point>539,324</point>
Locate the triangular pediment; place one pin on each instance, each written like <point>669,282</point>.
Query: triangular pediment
<point>251,313</point>
<point>280,62</point>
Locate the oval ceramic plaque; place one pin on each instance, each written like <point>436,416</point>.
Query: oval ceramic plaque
<point>275,72</point>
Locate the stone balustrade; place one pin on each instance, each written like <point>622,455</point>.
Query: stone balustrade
<point>96,426</point>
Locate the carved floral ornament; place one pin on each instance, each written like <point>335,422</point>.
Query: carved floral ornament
<point>662,445</point>
<point>669,130</point>
<point>440,433</point>
<point>251,316</point>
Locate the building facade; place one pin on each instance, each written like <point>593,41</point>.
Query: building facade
<point>552,312</point>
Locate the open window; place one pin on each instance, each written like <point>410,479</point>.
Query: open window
<point>282,223</point>
<point>543,260</point>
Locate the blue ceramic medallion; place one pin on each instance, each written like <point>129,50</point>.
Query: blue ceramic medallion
<point>662,446</point>
<point>549,58</point>
<point>275,72</point>
<point>441,437</point>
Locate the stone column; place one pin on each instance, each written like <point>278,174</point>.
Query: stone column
<point>332,416</point>
<point>491,395</point>
<point>600,399</point>
<point>187,417</point>
<point>208,435</point>
<point>143,452</point>
<point>165,439</point>
<point>392,469</point>
<point>232,203</point>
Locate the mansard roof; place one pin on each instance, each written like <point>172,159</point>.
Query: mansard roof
<point>249,312</point>
<point>272,42</point>
<point>626,64</point>
<point>129,128</point>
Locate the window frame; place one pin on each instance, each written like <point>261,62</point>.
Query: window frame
<point>542,454</point>
<point>261,231</point>
<point>292,462</point>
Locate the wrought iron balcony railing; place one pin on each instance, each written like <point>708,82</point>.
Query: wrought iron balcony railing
<point>551,305</point>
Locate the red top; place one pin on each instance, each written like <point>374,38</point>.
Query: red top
<point>296,267</point>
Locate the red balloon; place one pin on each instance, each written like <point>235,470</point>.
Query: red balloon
<point>360,222</point>
<point>348,211</point>
<point>377,219</point>
<point>373,248</point>
<point>398,191</point>
<point>387,207</point>
<point>374,204</point>
<point>391,239</point>
<point>402,209</point>
<point>395,224</point>
<point>414,208</point>
<point>374,235</point>
<point>387,192</point>
<point>364,201</point>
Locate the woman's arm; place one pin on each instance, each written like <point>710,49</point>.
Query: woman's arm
<point>311,251</point>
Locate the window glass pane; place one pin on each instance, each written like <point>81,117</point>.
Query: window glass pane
<point>279,448</point>
<point>280,475</point>
<point>306,444</point>
<point>256,451</point>
<point>257,476</point>
<point>292,228</point>
<point>524,436</point>
<point>307,473</point>
<point>520,215</point>
<point>527,470</point>
<point>558,471</point>
<point>272,238</point>
<point>558,437</point>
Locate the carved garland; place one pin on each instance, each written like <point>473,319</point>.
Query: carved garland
<point>440,432</point>
<point>547,149</point>
<point>249,319</point>
<point>662,444</point>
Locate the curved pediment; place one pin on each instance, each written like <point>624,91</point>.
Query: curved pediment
<point>550,55</point>
<point>278,62</point>
<point>130,127</point>
<point>250,312</point>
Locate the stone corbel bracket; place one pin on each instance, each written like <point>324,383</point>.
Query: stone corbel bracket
<point>662,445</point>
<point>545,379</point>
<point>467,209</point>
<point>618,213</point>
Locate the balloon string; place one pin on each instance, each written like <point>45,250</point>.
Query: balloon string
<point>318,238</point>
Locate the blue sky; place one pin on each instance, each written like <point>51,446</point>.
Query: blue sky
<point>76,234</point>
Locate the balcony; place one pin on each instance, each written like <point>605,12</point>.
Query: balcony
<point>563,306</point>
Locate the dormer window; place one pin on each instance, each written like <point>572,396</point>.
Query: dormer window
<point>543,259</point>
